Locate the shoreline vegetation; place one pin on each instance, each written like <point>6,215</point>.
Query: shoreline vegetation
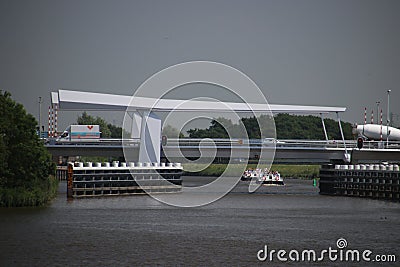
<point>37,195</point>
<point>26,167</point>
<point>286,171</point>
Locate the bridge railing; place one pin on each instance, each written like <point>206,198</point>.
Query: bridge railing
<point>61,173</point>
<point>220,142</point>
<point>236,142</point>
<point>381,145</point>
<point>99,142</point>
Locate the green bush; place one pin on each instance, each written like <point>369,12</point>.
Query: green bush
<point>25,164</point>
<point>39,195</point>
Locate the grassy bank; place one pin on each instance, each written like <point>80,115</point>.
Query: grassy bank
<point>38,194</point>
<point>298,171</point>
<point>293,171</point>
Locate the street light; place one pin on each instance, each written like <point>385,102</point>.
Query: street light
<point>387,118</point>
<point>40,117</point>
<point>377,111</point>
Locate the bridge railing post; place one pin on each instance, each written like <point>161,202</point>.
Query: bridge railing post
<point>70,173</point>
<point>346,155</point>
<point>323,126</point>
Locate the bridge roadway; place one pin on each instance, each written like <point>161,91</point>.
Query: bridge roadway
<point>286,151</point>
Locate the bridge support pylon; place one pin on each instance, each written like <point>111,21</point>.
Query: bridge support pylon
<point>150,135</point>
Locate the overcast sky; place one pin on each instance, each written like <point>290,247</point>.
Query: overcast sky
<point>335,53</point>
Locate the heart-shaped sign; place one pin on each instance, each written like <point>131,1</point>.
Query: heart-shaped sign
<point>90,127</point>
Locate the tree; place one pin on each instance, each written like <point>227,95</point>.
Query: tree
<point>115,131</point>
<point>86,119</point>
<point>287,127</point>
<point>216,130</point>
<point>171,132</point>
<point>25,162</point>
<point>107,130</point>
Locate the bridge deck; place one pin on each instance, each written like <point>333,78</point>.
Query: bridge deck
<point>291,151</point>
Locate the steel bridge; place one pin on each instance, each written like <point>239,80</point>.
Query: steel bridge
<point>286,151</point>
<point>146,125</point>
<point>145,145</point>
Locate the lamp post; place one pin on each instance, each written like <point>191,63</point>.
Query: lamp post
<point>377,110</point>
<point>40,117</point>
<point>387,118</point>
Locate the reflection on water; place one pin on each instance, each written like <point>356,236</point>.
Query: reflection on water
<point>139,230</point>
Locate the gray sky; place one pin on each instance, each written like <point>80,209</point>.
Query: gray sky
<point>338,53</point>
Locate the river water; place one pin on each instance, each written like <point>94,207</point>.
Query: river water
<point>138,230</point>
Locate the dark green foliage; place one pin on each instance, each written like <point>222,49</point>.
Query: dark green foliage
<point>309,127</point>
<point>220,128</point>
<point>25,163</point>
<point>115,131</point>
<point>38,195</point>
<point>223,128</point>
<point>86,119</point>
<point>107,130</point>
<point>171,132</point>
<point>287,127</point>
<point>216,130</point>
<point>264,127</point>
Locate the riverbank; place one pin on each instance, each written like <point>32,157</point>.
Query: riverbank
<point>293,171</point>
<point>36,195</point>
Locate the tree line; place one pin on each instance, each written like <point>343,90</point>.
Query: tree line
<point>286,126</point>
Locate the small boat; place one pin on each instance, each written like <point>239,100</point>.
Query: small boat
<point>248,175</point>
<point>263,177</point>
